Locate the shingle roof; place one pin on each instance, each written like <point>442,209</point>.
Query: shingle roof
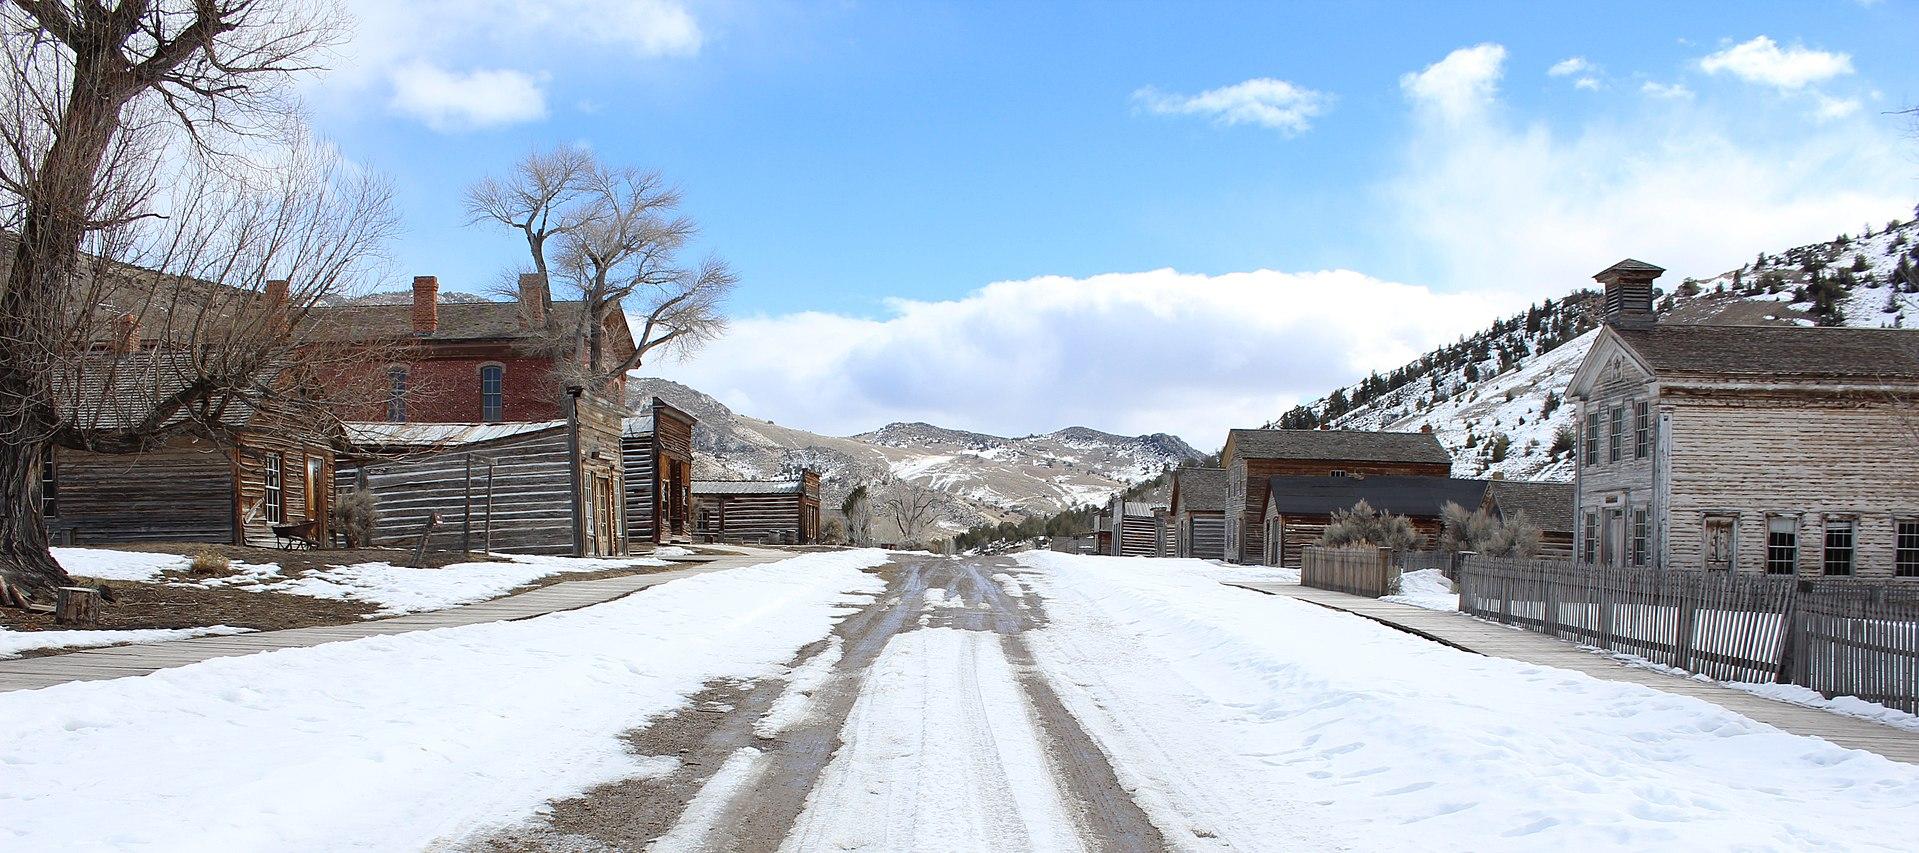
<point>1334,444</point>
<point>1776,351</point>
<point>1140,508</point>
<point>1411,496</point>
<point>1200,489</point>
<point>1549,505</point>
<point>457,321</point>
<point>108,391</point>
<point>746,487</point>
<point>1633,265</point>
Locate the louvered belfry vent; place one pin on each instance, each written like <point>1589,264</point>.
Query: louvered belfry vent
<point>1629,293</point>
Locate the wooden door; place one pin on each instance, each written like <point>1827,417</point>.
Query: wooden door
<point>318,507</point>
<point>604,539</point>
<point>1719,544</point>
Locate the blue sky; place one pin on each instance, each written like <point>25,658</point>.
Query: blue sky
<point>871,168</point>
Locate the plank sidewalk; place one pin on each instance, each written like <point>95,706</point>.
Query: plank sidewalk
<point>1464,632</point>
<point>140,659</point>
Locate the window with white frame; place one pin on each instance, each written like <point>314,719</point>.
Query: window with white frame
<point>1641,536</point>
<point>1589,542</point>
<point>1782,545</point>
<point>1618,434</point>
<point>1642,430</point>
<point>492,393</point>
<point>1905,553</point>
<point>271,479</point>
<point>1592,438</point>
<point>1839,546</point>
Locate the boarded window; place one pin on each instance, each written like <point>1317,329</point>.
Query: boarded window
<point>1839,539</point>
<point>1592,439</point>
<point>1589,545</point>
<point>1782,545</point>
<point>1618,444</point>
<point>492,393</point>
<point>1642,430</point>
<point>270,476</point>
<point>1719,543</point>
<point>49,484</point>
<point>396,394</point>
<point>1905,557</point>
<point>1641,537</point>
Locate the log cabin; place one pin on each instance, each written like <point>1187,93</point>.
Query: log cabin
<point>1549,506</point>
<point>657,444</point>
<point>1252,457</point>
<point>530,487</point>
<point>1138,528</point>
<point>1299,506</point>
<point>779,512</point>
<point>1198,512</point>
<point>1779,449</point>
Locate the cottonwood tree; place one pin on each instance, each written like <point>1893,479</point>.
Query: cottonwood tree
<point>149,201</point>
<point>858,509</point>
<point>615,238</point>
<point>912,509</point>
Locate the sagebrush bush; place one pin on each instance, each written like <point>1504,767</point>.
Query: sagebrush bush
<point>210,562</point>
<point>353,517</point>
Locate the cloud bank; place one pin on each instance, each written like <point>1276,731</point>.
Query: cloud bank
<point>1263,101</point>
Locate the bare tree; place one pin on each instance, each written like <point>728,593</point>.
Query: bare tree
<point>912,510</point>
<point>141,171</point>
<point>617,243</point>
<point>859,515</point>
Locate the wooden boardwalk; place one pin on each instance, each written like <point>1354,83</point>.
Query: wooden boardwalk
<point>124,661</point>
<point>1486,638</point>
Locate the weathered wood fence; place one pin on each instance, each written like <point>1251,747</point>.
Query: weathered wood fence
<point>1841,637</point>
<point>1361,571</point>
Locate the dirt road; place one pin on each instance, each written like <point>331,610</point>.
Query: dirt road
<point>919,724</point>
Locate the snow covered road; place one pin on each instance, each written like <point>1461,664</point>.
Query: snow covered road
<point>866,701</point>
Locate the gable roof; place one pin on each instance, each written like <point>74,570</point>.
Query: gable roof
<point>1420,497</point>
<point>1774,352</point>
<point>1199,490</point>
<point>458,321</point>
<point>746,487</point>
<point>1549,505</point>
<point>1338,445</point>
<point>391,435</point>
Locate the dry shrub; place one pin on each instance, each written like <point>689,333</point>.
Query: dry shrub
<point>210,562</point>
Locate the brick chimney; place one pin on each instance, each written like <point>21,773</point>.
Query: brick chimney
<point>426,304</point>
<point>1629,294</point>
<point>274,302</point>
<point>126,334</point>
<point>533,296</point>
<point>1426,428</point>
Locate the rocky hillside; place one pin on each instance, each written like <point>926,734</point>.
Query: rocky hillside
<point>1494,397</point>
<point>979,478</point>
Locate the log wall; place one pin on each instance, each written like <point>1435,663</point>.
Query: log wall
<point>1246,487</point>
<point>179,492</point>
<point>531,510</point>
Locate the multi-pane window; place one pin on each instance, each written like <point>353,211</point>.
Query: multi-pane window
<point>1641,537</point>
<point>492,383</point>
<point>1839,539</point>
<point>1905,554</point>
<point>1641,430</point>
<point>1589,544</point>
<point>1592,438</point>
<point>270,477</point>
<point>1618,434</point>
<point>1782,545</point>
<point>396,394</point>
<point>49,484</point>
<point>1336,472</point>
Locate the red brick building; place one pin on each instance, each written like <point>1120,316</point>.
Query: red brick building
<point>463,362</point>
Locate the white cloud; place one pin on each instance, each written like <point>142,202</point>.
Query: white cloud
<point>1761,60</point>
<point>1669,91</point>
<point>1590,84</point>
<point>1126,352</point>
<point>1570,66</point>
<point>1490,201</point>
<point>1458,87</point>
<point>1830,108</point>
<point>1264,101</point>
<point>449,101</point>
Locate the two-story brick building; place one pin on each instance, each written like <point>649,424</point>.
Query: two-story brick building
<point>1780,449</point>
<point>1252,457</point>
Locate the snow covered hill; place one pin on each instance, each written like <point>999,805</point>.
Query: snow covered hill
<point>1494,398</point>
<point>981,478</point>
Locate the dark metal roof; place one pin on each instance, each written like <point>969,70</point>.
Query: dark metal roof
<point>1777,351</point>
<point>1549,505</point>
<point>1200,489</point>
<point>1335,444</point>
<point>1420,497</point>
<point>746,487</point>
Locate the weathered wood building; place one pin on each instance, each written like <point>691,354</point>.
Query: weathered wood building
<point>658,449</point>
<point>1252,457</point>
<point>1138,528</point>
<point>783,512</point>
<point>1197,512</point>
<point>540,487</point>
<point>1778,449</point>
<point>1298,507</point>
<point>1549,506</point>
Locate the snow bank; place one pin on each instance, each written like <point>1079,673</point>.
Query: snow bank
<point>1251,722</point>
<point>394,742</point>
<point>403,589</point>
<point>106,565</point>
<point>1426,588</point>
<point>940,753</point>
<point>12,643</point>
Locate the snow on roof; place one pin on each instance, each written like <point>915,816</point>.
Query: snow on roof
<point>431,435</point>
<point>746,487</point>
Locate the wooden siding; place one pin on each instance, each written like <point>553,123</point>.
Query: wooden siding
<point>1138,536</point>
<point>249,472</point>
<point>1246,487</point>
<point>598,427</point>
<point>1295,533</point>
<point>532,495</point>
<point>1202,535</point>
<point>641,461</point>
<point>179,492</point>
<point>775,518</point>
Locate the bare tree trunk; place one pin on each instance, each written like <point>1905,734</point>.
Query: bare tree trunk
<point>29,567</point>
